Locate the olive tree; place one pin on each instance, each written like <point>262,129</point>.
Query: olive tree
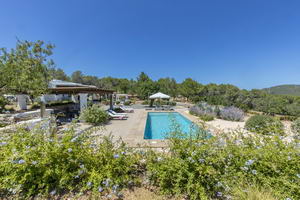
<point>25,69</point>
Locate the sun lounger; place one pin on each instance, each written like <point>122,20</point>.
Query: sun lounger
<point>127,109</point>
<point>115,113</point>
<point>158,108</point>
<point>116,116</point>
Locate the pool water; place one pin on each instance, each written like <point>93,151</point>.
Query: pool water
<point>159,124</point>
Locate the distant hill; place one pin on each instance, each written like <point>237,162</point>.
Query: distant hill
<point>284,90</point>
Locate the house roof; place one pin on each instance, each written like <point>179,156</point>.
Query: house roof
<point>59,83</point>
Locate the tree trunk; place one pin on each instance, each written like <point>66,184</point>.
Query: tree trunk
<point>43,109</point>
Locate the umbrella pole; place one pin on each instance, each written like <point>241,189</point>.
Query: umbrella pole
<point>151,102</point>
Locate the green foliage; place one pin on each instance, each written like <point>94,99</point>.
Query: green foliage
<point>3,102</point>
<point>190,88</point>
<point>287,118</point>
<point>127,103</point>
<point>284,90</point>
<point>296,126</point>
<point>207,117</point>
<point>145,86</point>
<point>146,102</point>
<point>34,163</point>
<point>25,69</point>
<point>264,124</point>
<point>168,86</point>
<point>77,77</point>
<point>94,115</point>
<point>58,74</point>
<point>171,103</point>
<point>213,168</point>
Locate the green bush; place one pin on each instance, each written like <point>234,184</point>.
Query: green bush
<point>171,103</point>
<point>146,102</point>
<point>264,124</point>
<point>34,163</point>
<point>94,115</point>
<point>207,117</point>
<point>287,118</point>
<point>213,168</point>
<point>3,103</point>
<point>35,105</point>
<point>127,103</point>
<point>105,102</point>
<point>296,126</point>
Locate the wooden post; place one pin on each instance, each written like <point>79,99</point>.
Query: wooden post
<point>43,109</point>
<point>111,102</point>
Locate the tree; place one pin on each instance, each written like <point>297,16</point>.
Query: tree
<point>77,77</point>
<point>58,74</point>
<point>190,88</point>
<point>124,86</point>
<point>168,86</point>
<point>143,77</point>
<point>90,80</point>
<point>25,69</point>
<point>145,86</point>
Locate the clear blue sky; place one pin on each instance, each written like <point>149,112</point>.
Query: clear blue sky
<point>248,43</point>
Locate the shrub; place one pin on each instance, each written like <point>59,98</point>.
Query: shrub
<point>127,103</point>
<point>146,102</point>
<point>171,103</point>
<point>94,115</point>
<point>3,103</point>
<point>35,105</point>
<point>296,126</point>
<point>105,101</point>
<point>213,168</point>
<point>232,113</point>
<point>206,117</point>
<point>287,118</point>
<point>33,163</point>
<point>204,109</point>
<point>264,124</point>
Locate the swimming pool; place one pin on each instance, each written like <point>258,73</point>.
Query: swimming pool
<point>159,124</point>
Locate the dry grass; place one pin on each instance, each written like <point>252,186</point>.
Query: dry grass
<point>253,193</point>
<point>145,194</point>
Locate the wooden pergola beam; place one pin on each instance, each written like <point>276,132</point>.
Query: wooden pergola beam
<point>77,90</point>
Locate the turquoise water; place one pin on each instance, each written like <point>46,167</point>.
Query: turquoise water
<point>159,124</point>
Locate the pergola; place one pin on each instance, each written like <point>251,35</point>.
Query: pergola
<point>82,91</point>
<point>57,87</point>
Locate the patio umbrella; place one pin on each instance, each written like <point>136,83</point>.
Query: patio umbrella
<point>159,95</point>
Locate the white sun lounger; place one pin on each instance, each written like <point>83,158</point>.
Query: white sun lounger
<point>116,116</point>
<point>127,109</point>
<point>115,113</point>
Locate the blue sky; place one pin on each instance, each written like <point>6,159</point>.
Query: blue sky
<point>248,43</point>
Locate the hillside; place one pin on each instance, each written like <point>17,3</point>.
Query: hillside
<point>284,89</point>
